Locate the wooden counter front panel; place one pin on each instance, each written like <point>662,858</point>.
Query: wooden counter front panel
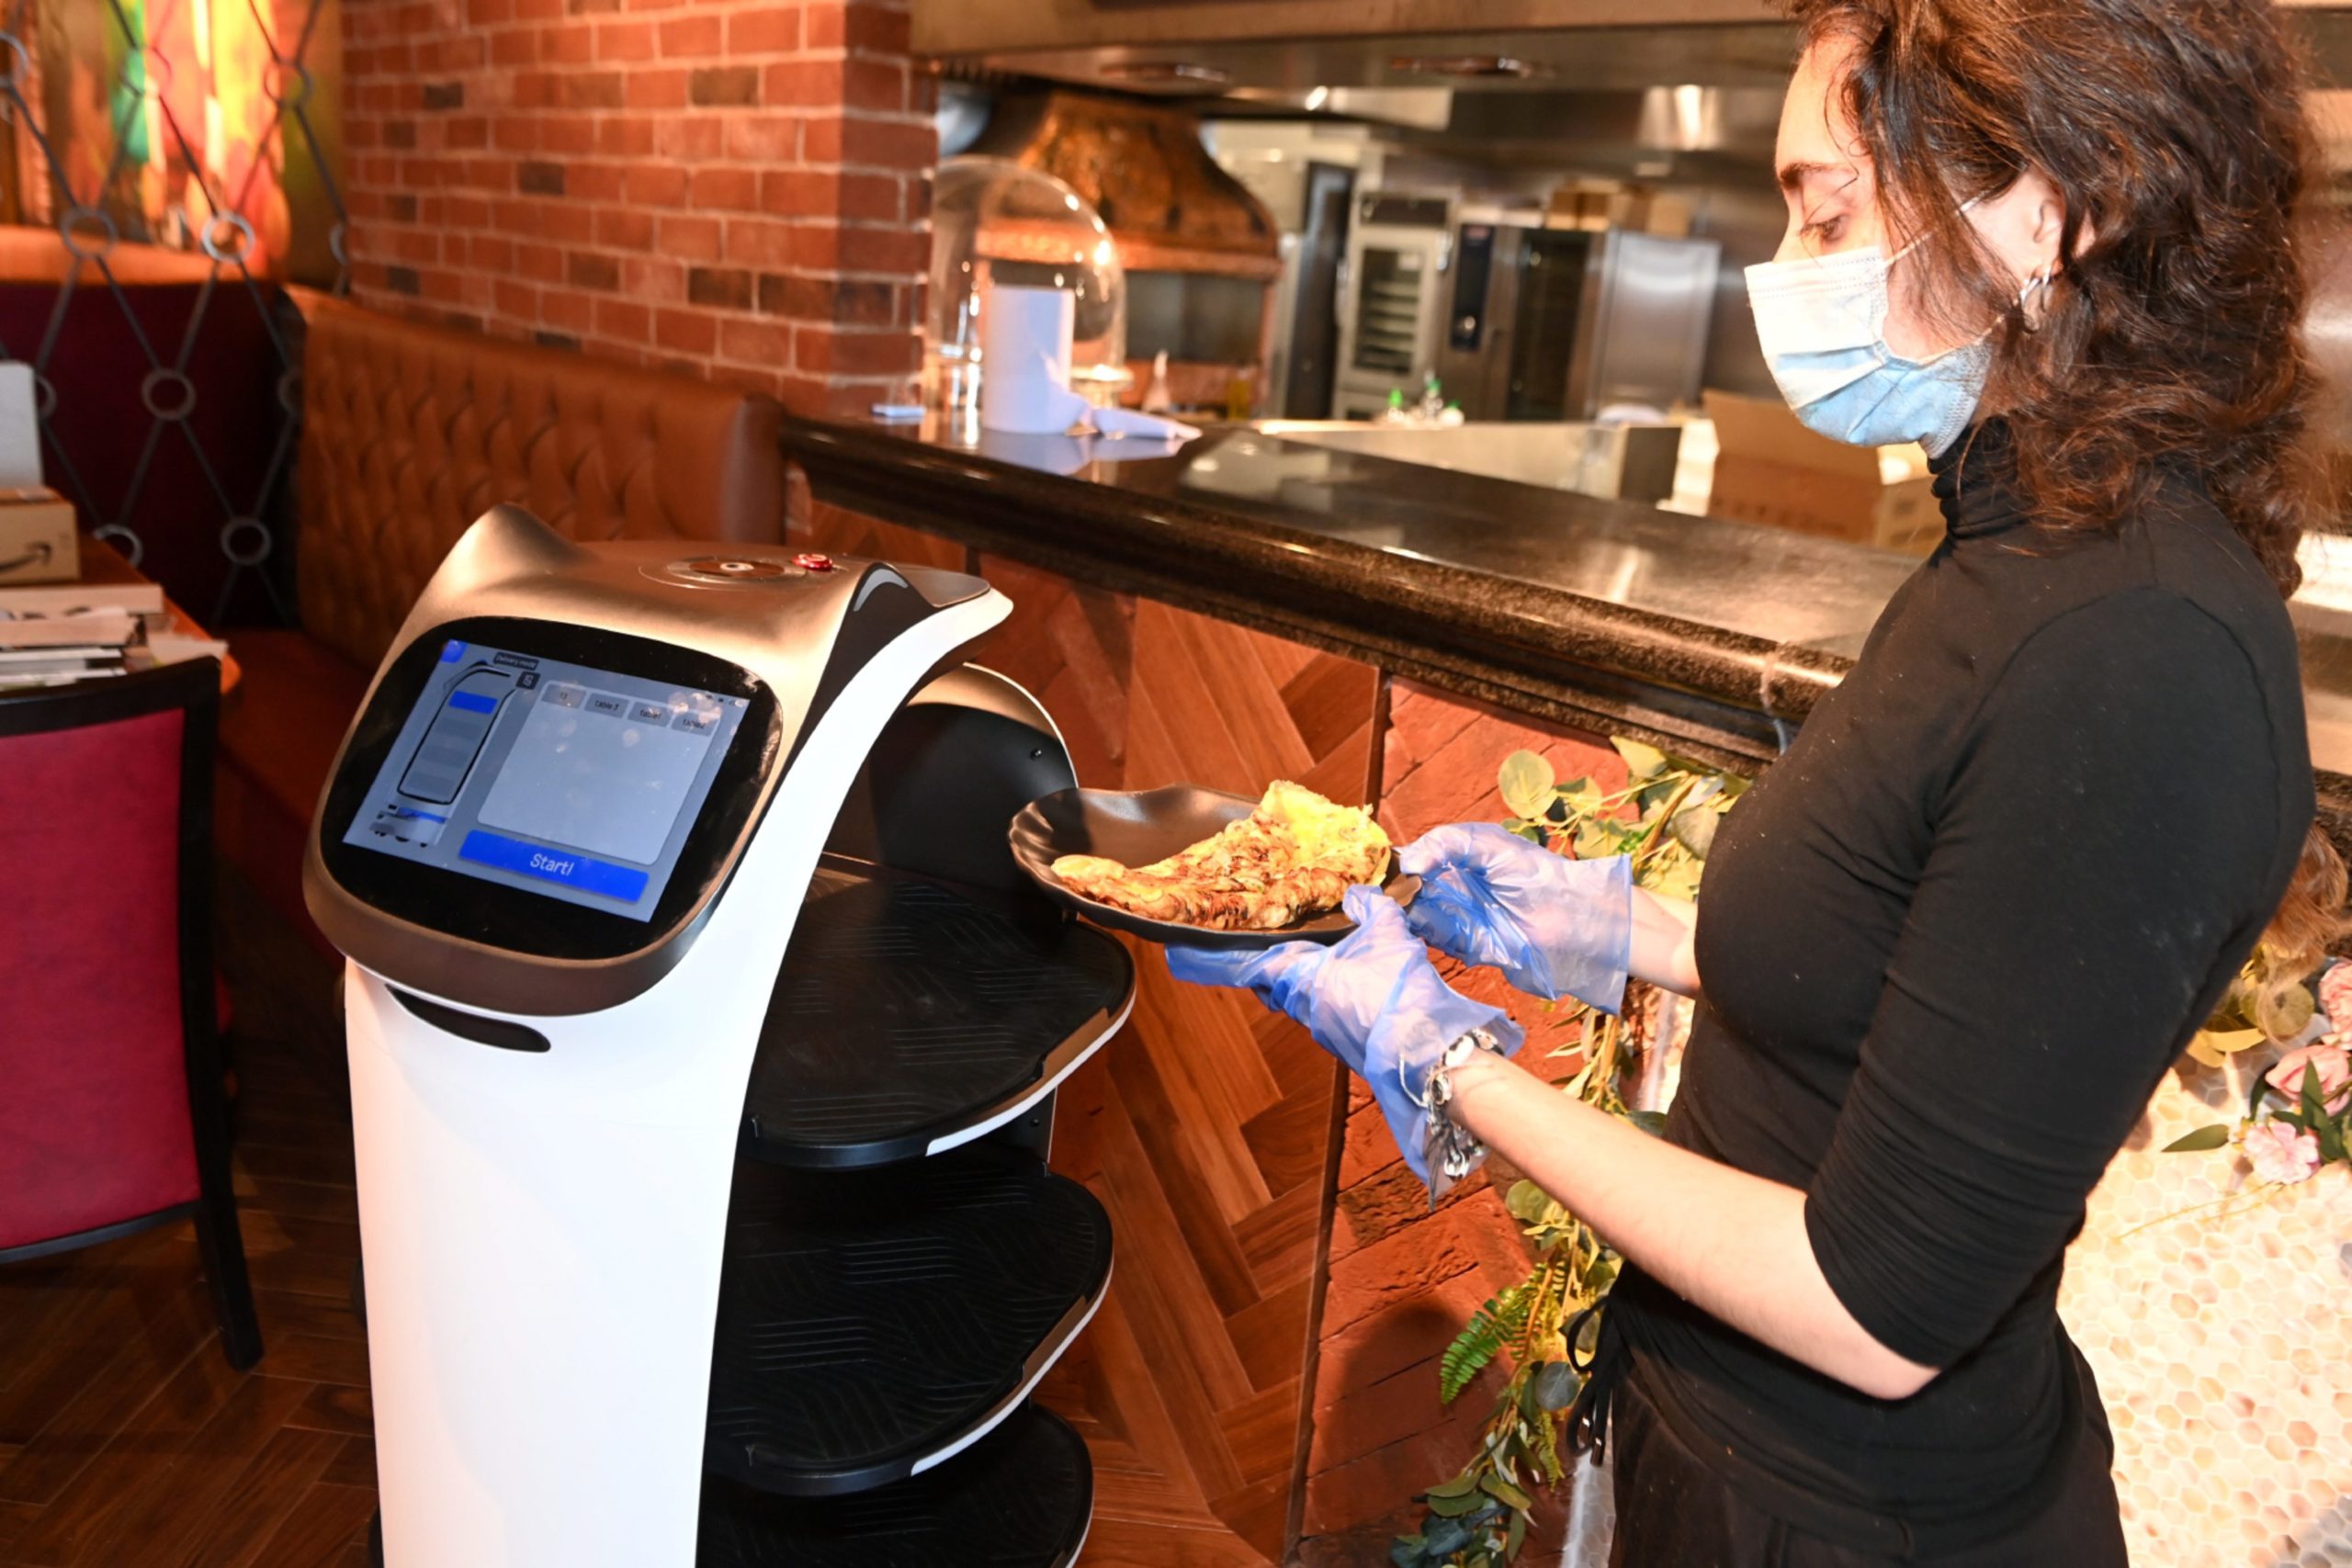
<point>1208,1127</point>
<point>1404,1280</point>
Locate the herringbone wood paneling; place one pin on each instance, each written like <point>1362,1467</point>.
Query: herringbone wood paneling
<point>1404,1278</point>
<point>1206,1127</point>
<point>1074,648</point>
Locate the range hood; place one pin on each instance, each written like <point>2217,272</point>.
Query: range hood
<point>1167,204</point>
<point>973,28</point>
<point>1283,51</point>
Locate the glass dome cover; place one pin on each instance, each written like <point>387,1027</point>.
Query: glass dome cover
<point>994,222</point>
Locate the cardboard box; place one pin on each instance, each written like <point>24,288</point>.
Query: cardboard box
<point>1771,470</point>
<point>37,539</point>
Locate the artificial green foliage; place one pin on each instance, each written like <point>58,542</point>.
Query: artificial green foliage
<point>1502,1320</point>
<point>1663,818</point>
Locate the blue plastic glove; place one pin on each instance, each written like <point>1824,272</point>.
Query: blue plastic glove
<point>1554,926</point>
<point>1373,1000</point>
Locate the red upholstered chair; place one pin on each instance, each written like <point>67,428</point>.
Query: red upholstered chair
<point>111,1113</point>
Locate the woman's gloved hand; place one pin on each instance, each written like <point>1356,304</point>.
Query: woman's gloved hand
<point>1374,1000</point>
<point>1554,926</point>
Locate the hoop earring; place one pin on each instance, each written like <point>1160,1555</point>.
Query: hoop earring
<point>2034,285</point>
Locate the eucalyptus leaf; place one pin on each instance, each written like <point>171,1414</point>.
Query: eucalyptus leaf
<point>2285,1013</point>
<point>1555,1385</point>
<point>1601,1276</point>
<point>1462,1485</point>
<point>1505,1492</point>
<point>1594,841</point>
<point>1526,1201</point>
<point>2204,1138</point>
<point>1525,782</point>
<point>2228,1042</point>
<point>1650,1122</point>
<point>1445,1538</point>
<point>1583,796</point>
<point>1649,798</point>
<point>1694,830</point>
<point>1406,1552</point>
<point>1643,762</point>
<point>1516,1538</point>
<point>2313,1108</point>
<point>1448,1509</point>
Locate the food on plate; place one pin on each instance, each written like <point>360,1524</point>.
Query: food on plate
<point>1292,858</point>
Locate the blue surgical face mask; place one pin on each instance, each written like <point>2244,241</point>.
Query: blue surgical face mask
<point>1822,322</point>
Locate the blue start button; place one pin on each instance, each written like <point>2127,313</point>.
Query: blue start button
<point>567,867</point>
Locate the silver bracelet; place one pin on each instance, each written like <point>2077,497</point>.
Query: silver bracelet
<point>1449,1148</point>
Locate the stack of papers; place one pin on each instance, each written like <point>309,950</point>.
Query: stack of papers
<point>76,631</point>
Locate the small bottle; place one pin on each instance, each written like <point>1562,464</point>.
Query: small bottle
<point>1154,394</point>
<point>1394,413</point>
<point>1432,405</point>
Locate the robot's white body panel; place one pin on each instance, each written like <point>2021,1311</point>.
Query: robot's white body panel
<point>543,1231</point>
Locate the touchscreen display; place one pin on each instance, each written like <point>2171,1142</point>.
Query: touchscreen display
<point>572,783</point>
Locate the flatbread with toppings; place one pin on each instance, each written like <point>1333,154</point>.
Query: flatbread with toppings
<point>1289,860</point>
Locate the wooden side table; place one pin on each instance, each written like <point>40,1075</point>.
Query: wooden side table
<point>101,563</point>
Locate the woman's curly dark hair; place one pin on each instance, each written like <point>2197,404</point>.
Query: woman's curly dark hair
<point>2174,134</point>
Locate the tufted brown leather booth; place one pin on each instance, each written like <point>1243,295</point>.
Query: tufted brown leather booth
<point>409,433</point>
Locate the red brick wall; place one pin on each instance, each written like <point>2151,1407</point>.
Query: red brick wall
<point>736,188</point>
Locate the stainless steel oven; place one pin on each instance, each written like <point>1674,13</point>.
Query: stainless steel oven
<point>1562,323</point>
<point>1392,299</point>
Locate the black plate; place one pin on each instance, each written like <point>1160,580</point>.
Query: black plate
<point>1138,827</point>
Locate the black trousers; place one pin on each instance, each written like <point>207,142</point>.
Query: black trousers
<point>1673,1512</point>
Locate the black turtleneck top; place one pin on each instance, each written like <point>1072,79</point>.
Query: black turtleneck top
<point>1951,942</point>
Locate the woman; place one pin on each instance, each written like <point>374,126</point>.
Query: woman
<point>1955,936</point>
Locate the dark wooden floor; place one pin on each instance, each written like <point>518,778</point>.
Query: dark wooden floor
<point>126,1441</point>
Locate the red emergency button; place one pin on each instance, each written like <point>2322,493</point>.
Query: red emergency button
<point>813,563</point>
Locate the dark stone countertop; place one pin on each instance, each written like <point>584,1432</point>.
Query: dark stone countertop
<point>1688,631</point>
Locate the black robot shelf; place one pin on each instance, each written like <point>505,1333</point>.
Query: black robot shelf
<point>912,1016</point>
<point>902,1266</point>
<point>1021,1498</point>
<point>874,1323</point>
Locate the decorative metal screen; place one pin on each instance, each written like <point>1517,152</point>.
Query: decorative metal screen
<point>166,356</point>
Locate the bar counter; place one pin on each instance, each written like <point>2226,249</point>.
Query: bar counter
<point>1607,615</point>
<point>1261,1386</point>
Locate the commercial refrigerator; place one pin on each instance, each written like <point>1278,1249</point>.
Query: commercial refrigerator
<point>704,1040</point>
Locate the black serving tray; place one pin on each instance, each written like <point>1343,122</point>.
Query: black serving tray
<point>1138,827</point>
<point>912,1016</point>
<point>871,1324</point>
<point>1021,1498</point>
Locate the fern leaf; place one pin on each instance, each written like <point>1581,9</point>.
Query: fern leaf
<point>1502,1320</point>
<point>1479,1344</point>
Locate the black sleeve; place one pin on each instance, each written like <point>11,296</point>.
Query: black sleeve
<point>2098,856</point>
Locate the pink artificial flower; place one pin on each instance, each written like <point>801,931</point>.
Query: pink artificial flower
<point>2281,1154</point>
<point>2335,1065</point>
<point>2336,995</point>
